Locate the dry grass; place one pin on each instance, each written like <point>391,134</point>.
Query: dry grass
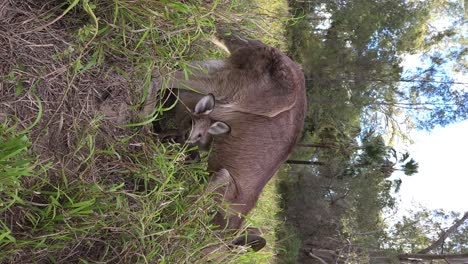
<point>97,186</point>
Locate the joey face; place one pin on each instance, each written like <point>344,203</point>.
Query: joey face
<point>203,127</point>
<point>203,130</point>
<point>199,134</point>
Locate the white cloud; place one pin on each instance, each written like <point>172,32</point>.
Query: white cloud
<point>442,181</point>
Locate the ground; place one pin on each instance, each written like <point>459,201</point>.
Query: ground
<point>89,180</point>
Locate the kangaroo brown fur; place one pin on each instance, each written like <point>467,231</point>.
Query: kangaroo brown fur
<point>261,95</point>
<point>255,79</point>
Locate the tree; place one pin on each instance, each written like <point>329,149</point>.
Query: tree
<point>358,91</point>
<point>429,235</point>
<point>426,235</point>
<point>439,243</point>
<point>351,53</point>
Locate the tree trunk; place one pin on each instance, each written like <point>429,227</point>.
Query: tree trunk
<point>315,145</point>
<point>304,162</point>
<point>377,257</point>
<point>461,257</point>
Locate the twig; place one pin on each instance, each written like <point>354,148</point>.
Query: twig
<point>317,258</point>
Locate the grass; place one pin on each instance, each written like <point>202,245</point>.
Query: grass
<point>83,179</point>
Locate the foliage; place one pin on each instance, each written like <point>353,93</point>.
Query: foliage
<point>361,102</point>
<point>351,53</point>
<point>420,228</point>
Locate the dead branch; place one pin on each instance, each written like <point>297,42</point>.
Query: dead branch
<point>444,235</point>
<point>317,258</point>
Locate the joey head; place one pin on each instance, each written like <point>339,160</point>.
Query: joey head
<point>203,127</point>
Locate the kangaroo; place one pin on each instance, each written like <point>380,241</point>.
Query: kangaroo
<point>261,95</point>
<point>255,79</point>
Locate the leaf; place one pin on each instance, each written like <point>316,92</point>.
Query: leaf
<point>90,63</point>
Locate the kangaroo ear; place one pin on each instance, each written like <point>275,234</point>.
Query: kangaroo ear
<point>205,105</point>
<point>218,128</point>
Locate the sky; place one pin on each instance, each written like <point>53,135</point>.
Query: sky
<point>442,154</point>
<point>442,180</point>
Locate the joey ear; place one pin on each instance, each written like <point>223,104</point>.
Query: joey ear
<point>205,105</point>
<point>218,128</point>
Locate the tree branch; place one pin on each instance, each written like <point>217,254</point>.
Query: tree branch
<point>304,162</point>
<point>315,145</point>
<point>317,258</point>
<point>433,256</point>
<point>444,235</point>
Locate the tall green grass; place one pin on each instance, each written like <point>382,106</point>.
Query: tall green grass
<point>13,166</point>
<point>129,198</point>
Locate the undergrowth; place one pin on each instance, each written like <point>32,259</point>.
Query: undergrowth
<point>82,177</point>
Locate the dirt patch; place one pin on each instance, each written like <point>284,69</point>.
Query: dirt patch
<point>37,65</point>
